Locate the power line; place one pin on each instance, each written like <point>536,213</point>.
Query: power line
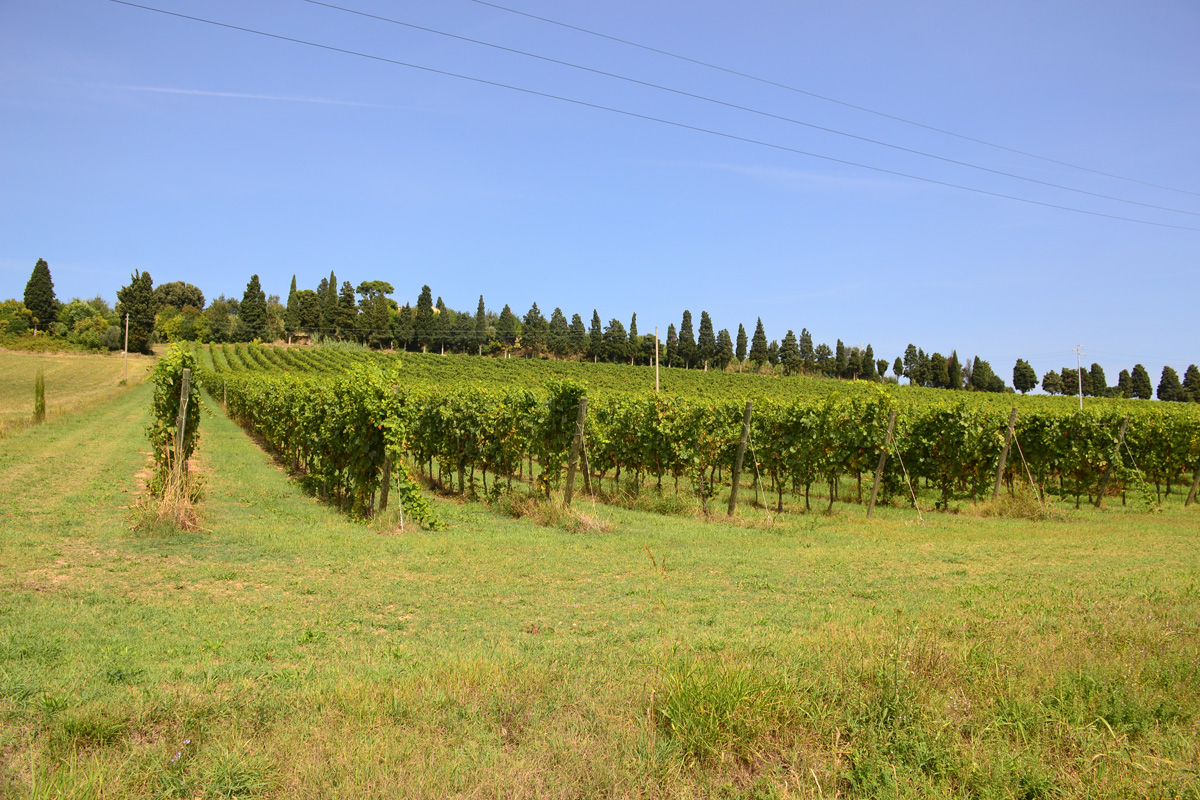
<point>648,118</point>
<point>885,115</point>
<point>748,109</point>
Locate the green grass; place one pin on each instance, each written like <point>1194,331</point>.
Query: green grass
<point>73,381</point>
<point>286,651</point>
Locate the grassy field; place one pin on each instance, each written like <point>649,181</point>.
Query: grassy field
<point>286,651</point>
<point>73,380</point>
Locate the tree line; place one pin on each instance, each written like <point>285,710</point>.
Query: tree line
<point>367,314</point>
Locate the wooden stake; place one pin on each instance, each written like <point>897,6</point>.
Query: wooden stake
<point>1109,470</point>
<point>1012,424</point>
<point>576,443</point>
<point>125,376</point>
<point>887,441</point>
<point>181,423</point>
<point>1191,498</point>
<point>386,486</point>
<point>656,359</point>
<point>737,462</point>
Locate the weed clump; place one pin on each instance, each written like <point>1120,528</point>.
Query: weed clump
<point>1021,505</point>
<point>550,514</point>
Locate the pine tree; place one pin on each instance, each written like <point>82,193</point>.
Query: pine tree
<point>808,356</point>
<point>773,353</point>
<point>291,320</point>
<point>687,340</point>
<point>724,348</point>
<point>741,343</point>
<point>1099,382</point>
<point>595,337</point>
<point>854,366</point>
<point>578,339</point>
<point>868,364</point>
<point>789,354</point>
<point>616,342</point>
<point>374,325</point>
<point>39,296</point>
<point>910,365</point>
<point>480,326</point>
<point>423,322</point>
<point>507,329</point>
<point>347,316</point>
<point>137,300</point>
<point>939,375</point>
<point>558,333</point>
<point>1124,385</point>
<point>1169,388</point>
<point>758,346</point>
<point>1139,383</point>
<point>706,342</point>
<point>1024,378</point>
<point>252,312</point>
<point>842,358</point>
<point>824,359</point>
<point>533,333</point>
<point>1191,383</point>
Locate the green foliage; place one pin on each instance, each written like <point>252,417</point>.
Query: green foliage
<point>137,301</point>
<point>15,318</point>
<point>178,295</point>
<point>758,345</point>
<point>1139,383</point>
<point>39,295</point>
<point>1169,387</point>
<point>39,398</point>
<point>1024,378</point>
<point>252,313</point>
<point>164,410</point>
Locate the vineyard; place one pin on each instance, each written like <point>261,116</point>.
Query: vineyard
<point>349,420</point>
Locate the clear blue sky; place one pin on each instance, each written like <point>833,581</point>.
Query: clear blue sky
<point>133,140</point>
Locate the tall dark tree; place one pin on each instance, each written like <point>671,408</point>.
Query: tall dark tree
<point>1071,382</point>
<point>687,340</point>
<point>423,322</point>
<point>789,354</point>
<point>595,337</point>
<point>910,365</point>
<point>898,368</point>
<point>1169,387</point>
<point>1024,378</point>
<point>954,370</point>
<point>252,312</point>
<point>508,328</point>
<point>39,296</point>
<point>843,359</point>
<point>558,333</point>
<point>706,341</point>
<point>533,332</point>
<point>724,355</point>
<point>291,319</point>
<point>578,339</point>
<point>635,345</point>
<point>1052,383</point>
<point>374,324</point>
<point>773,353</point>
<point>939,374</point>
<point>881,367</point>
<point>347,314</point>
<point>983,379</point>
<point>672,347</point>
<point>481,332</point>
<point>616,342</point>
<point>1124,385</point>
<point>808,356</point>
<point>825,360</point>
<point>330,306</point>
<point>1191,383</point>
<point>179,295</point>
<point>1139,383</point>
<point>868,364</point>
<point>740,352</point>
<point>137,300</point>
<point>758,345</point>
<point>1099,381</point>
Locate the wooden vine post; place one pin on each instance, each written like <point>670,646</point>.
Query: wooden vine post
<point>887,441</point>
<point>576,444</point>
<point>741,454</point>
<point>1191,498</point>
<point>385,485</point>
<point>181,423</point>
<point>1109,469</point>
<point>1012,425</point>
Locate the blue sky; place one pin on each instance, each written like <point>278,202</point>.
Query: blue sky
<point>133,140</point>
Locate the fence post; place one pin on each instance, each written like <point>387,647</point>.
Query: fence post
<point>887,440</point>
<point>1012,424</point>
<point>737,462</point>
<point>576,443</point>
<point>1109,469</point>
<point>1191,498</point>
<point>181,422</point>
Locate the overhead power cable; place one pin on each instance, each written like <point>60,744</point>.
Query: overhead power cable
<point>826,98</point>
<point>747,109</point>
<point>648,118</point>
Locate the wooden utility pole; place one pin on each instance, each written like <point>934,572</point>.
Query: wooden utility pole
<point>656,359</point>
<point>1109,469</point>
<point>181,423</point>
<point>887,441</point>
<point>737,462</point>
<point>576,444</point>
<point>1012,424</point>
<point>125,377</point>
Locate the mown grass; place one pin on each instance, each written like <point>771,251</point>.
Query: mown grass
<point>73,381</point>
<point>285,651</point>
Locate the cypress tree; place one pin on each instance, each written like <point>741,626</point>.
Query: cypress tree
<point>558,333</point>
<point>939,375</point>
<point>39,296</point>
<point>330,307</point>
<point>808,356</point>
<point>672,344</point>
<point>954,371</point>
<point>423,322</point>
<point>634,344</point>
<point>480,325</point>
<point>789,354</point>
<point>1124,385</point>
<point>507,329</point>
<point>773,353</point>
<point>823,357</point>
<point>843,359</point>
<point>347,316</point>
<point>854,366</point>
<point>758,345</point>
<point>706,342</point>
<point>595,337</point>
<point>137,300</point>
<point>533,333</point>
<point>1099,382</point>
<point>898,368</point>
<point>1139,383</point>
<point>868,364</point>
<point>291,319</point>
<point>252,312</point>
<point>1191,384</point>
<point>910,364</point>
<point>1024,378</point>
<point>881,367</point>
<point>741,343</point>
<point>616,342</point>
<point>578,338</point>
<point>724,348</point>
<point>1169,388</point>
<point>687,340</point>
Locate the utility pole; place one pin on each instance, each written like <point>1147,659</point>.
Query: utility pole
<point>125,377</point>
<point>1079,372</point>
<point>656,359</point>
